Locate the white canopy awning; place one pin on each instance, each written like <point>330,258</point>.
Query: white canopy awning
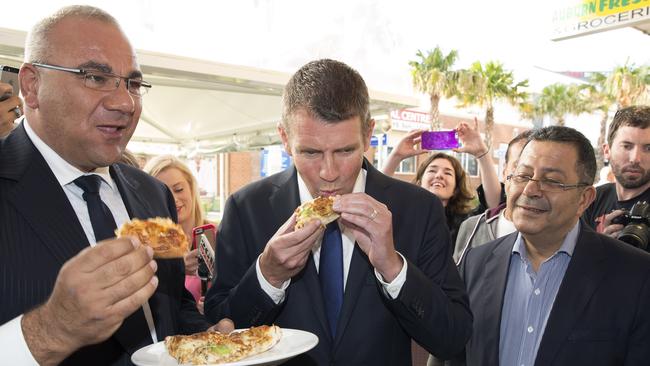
<point>204,105</point>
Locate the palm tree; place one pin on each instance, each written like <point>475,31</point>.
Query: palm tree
<point>600,100</point>
<point>483,86</point>
<point>433,76</point>
<point>557,100</point>
<point>629,84</point>
<point>624,86</point>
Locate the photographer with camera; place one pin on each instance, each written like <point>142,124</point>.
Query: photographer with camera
<point>621,203</point>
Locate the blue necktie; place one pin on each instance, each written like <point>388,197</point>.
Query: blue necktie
<point>330,272</point>
<point>100,215</point>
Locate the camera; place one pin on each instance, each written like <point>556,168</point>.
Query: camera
<point>637,225</point>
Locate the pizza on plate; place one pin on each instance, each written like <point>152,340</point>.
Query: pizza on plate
<point>217,348</point>
<point>316,209</point>
<point>163,235</point>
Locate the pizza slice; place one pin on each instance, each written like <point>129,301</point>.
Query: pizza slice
<point>163,235</point>
<point>217,348</point>
<point>316,209</point>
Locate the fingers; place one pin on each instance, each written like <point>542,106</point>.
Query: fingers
<point>121,268</point>
<point>5,88</point>
<point>127,286</point>
<point>127,305</point>
<point>413,135</point>
<point>475,123</point>
<point>191,261</point>
<point>104,252</point>
<point>224,325</point>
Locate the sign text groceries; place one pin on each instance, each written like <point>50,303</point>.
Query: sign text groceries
<point>591,16</point>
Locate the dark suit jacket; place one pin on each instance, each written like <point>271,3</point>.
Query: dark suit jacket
<point>39,232</point>
<point>601,315</point>
<point>431,308</point>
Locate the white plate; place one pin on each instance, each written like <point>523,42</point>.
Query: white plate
<point>292,343</point>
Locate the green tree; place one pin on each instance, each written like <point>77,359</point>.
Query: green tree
<point>625,86</point>
<point>628,85</point>
<point>600,100</point>
<point>557,100</point>
<point>484,86</point>
<point>432,75</point>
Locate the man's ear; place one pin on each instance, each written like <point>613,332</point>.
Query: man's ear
<point>368,135</point>
<point>284,135</point>
<point>586,198</point>
<point>29,80</point>
<point>606,151</point>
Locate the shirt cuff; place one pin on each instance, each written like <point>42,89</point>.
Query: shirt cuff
<point>392,289</point>
<point>13,342</point>
<point>276,294</point>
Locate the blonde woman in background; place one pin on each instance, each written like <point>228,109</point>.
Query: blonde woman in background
<point>181,182</point>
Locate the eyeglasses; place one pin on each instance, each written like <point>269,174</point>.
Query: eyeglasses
<point>103,81</point>
<point>546,185</point>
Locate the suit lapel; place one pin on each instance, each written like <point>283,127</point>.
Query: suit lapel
<point>40,199</point>
<point>135,205</point>
<point>581,279</point>
<point>493,291</point>
<point>359,270</point>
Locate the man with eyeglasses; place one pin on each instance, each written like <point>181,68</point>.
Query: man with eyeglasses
<point>555,292</point>
<point>628,152</point>
<point>71,293</point>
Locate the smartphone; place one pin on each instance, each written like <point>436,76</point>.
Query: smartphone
<point>440,140</point>
<point>9,75</point>
<point>204,239</point>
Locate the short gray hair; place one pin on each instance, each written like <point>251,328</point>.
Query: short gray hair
<point>37,47</point>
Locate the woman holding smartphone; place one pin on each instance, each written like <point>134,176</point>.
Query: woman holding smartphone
<point>443,175</point>
<point>184,187</point>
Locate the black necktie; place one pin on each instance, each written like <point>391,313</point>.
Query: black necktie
<point>100,215</point>
<point>330,272</point>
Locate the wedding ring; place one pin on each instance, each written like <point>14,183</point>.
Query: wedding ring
<point>373,214</point>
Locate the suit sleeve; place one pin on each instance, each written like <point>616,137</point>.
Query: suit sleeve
<point>433,306</point>
<point>236,292</point>
<point>638,352</point>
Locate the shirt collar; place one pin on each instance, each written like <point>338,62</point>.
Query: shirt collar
<point>64,172</point>
<point>305,196</point>
<point>568,245</point>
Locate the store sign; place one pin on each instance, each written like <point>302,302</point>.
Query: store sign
<point>583,17</point>
<point>375,140</point>
<point>273,160</point>
<point>407,120</point>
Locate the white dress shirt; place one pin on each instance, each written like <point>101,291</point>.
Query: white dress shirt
<point>391,289</point>
<point>11,334</point>
<point>504,226</point>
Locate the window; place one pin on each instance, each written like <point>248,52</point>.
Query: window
<point>468,162</point>
<point>406,166</point>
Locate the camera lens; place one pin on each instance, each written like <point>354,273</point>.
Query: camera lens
<point>636,235</point>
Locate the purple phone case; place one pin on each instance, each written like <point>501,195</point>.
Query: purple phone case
<point>439,140</point>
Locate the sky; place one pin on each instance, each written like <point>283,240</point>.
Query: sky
<point>377,37</point>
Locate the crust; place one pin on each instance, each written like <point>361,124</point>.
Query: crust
<point>164,236</point>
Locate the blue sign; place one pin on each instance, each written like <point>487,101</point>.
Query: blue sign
<point>374,140</point>
<point>273,161</point>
